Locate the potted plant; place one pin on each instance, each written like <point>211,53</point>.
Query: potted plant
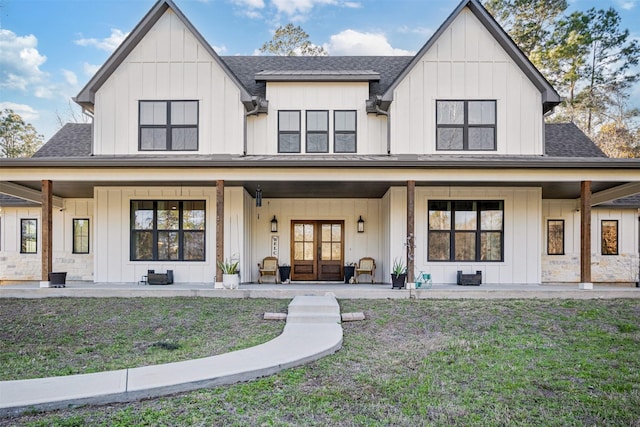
<point>398,274</point>
<point>230,274</point>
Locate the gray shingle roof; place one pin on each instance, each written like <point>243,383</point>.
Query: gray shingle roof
<point>73,140</point>
<point>567,140</point>
<point>246,68</point>
<point>632,202</point>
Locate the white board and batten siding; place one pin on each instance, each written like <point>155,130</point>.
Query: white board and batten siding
<point>262,130</point>
<point>168,64</point>
<point>522,241</point>
<point>466,63</point>
<point>112,253</point>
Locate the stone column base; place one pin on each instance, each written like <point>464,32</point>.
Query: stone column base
<point>45,284</point>
<point>585,286</point>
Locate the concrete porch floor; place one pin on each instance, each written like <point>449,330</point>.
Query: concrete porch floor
<point>339,289</point>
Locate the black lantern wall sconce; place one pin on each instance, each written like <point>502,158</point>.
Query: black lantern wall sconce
<point>274,225</point>
<point>258,197</point>
<point>360,225</point>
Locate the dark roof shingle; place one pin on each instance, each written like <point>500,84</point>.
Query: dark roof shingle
<point>73,140</point>
<point>567,140</point>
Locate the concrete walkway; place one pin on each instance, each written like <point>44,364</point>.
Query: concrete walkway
<point>312,331</point>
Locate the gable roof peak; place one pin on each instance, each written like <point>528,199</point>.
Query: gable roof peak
<point>550,97</point>
<point>86,97</point>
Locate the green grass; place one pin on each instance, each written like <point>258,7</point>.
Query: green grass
<point>411,363</point>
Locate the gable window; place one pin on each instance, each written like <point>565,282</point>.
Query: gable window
<point>288,131</point>
<point>464,230</point>
<point>80,236</point>
<point>317,131</point>
<point>344,138</point>
<point>609,236</point>
<point>28,236</point>
<point>465,125</point>
<point>167,230</point>
<point>168,125</point>
<point>555,237</point>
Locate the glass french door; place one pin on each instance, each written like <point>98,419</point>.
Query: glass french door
<point>317,250</point>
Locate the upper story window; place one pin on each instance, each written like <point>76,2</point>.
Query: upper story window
<point>344,124</point>
<point>288,131</point>
<point>465,125</point>
<point>317,131</point>
<point>609,236</point>
<point>80,236</point>
<point>555,237</point>
<point>168,126</point>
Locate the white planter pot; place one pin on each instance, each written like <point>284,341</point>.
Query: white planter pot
<point>230,281</point>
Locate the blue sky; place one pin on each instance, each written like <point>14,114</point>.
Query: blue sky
<point>50,48</point>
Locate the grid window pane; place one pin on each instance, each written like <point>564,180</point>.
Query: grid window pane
<point>466,220</point>
<point>168,245</point>
<point>481,139</point>
<point>143,244</point>
<point>168,215</point>
<point>318,121</point>
<point>555,237</point>
<point>465,244</point>
<point>491,220</point>
<point>345,121</point>
<point>193,216</point>
<point>153,139</point>
<point>450,112</point>
<point>609,237</point>
<point>153,113</point>
<point>482,112</point>
<point>490,246</point>
<point>143,212</point>
<point>184,139</point>
<point>345,143</point>
<point>184,113</point>
<point>289,121</point>
<point>289,143</point>
<point>450,139</point>
<point>439,246</point>
<point>193,246</point>
<point>317,143</point>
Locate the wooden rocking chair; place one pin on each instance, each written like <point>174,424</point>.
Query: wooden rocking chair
<point>366,265</point>
<point>268,268</point>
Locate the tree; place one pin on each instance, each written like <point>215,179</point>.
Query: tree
<point>17,138</point>
<point>291,40</point>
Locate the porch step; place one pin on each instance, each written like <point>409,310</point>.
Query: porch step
<point>314,309</point>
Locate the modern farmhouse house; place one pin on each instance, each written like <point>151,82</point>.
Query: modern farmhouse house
<point>441,160</point>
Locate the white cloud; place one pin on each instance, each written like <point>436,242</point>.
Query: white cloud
<point>90,69</point>
<point>253,4</point>
<point>70,77</point>
<point>108,44</point>
<point>421,31</point>
<point>20,61</point>
<point>297,8</point>
<point>220,50</point>
<point>26,112</point>
<point>352,4</point>
<point>627,4</point>
<point>350,42</point>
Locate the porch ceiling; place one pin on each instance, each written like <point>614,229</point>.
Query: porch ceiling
<point>315,189</point>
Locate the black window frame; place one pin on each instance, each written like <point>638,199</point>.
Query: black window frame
<point>549,251</point>
<point>316,132</point>
<point>155,232</point>
<point>290,132</point>
<point>466,125</point>
<point>602,238</point>
<point>168,126</point>
<point>23,242</point>
<point>452,232</point>
<point>353,132</point>
<point>75,250</point>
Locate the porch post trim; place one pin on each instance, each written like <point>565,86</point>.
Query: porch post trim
<point>219,227</point>
<point>47,226</point>
<point>411,192</point>
<point>585,235</point>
